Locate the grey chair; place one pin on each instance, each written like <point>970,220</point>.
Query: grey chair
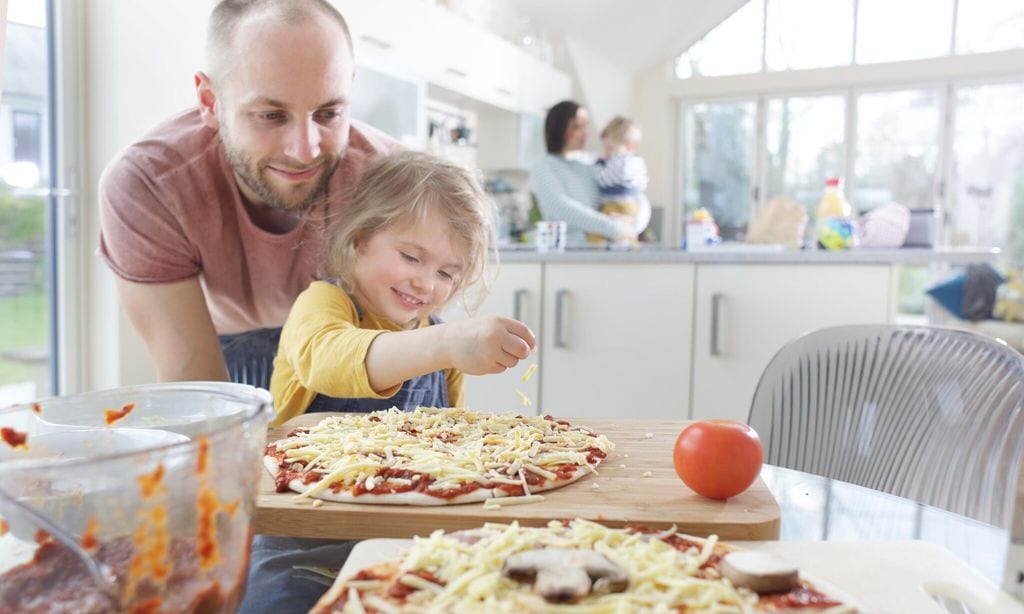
<point>933,415</point>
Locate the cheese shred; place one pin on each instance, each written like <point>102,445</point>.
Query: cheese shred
<point>506,501</point>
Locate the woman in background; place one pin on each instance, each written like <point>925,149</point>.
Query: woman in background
<point>565,185</point>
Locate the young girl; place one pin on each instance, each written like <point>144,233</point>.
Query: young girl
<point>416,234</point>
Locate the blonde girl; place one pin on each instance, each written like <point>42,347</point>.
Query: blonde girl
<point>368,338</point>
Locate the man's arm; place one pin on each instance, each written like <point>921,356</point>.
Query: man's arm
<point>175,324</point>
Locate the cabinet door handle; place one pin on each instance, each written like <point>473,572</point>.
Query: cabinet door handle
<point>716,305</point>
<point>451,70</point>
<point>504,91</point>
<point>379,43</point>
<point>560,298</point>
<point>517,303</point>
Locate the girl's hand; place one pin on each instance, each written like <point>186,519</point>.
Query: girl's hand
<point>487,344</point>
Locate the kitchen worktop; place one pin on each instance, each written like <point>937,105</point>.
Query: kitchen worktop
<point>752,254</point>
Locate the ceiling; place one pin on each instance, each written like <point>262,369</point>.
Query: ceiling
<point>634,34</point>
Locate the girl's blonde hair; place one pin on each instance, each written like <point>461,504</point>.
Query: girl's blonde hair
<point>402,188</point>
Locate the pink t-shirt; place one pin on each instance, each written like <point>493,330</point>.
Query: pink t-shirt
<point>170,209</point>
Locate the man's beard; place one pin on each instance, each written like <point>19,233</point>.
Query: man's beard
<point>254,176</point>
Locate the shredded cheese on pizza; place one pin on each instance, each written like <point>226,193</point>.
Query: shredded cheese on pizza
<point>661,577</point>
<point>388,451</point>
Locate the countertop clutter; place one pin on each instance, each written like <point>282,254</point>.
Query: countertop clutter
<point>751,254</point>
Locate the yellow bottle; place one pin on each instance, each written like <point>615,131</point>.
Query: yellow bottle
<point>834,220</point>
<point>833,203</point>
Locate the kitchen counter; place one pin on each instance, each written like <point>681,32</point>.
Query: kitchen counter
<point>754,254</point>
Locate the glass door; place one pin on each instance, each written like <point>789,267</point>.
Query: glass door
<point>27,332</point>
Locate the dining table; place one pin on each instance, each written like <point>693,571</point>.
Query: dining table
<point>891,553</point>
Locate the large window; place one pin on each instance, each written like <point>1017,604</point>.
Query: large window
<point>988,176</point>
<point>912,124</point>
<point>720,162</point>
<point>895,30</point>
<point>804,142</point>
<point>808,33</point>
<point>734,47</point>
<point>28,137</point>
<point>897,148</point>
<point>777,35</point>
<point>26,292</point>
<point>989,25</point>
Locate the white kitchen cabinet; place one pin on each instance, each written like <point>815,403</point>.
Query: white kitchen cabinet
<point>388,35</point>
<point>745,313</point>
<point>416,39</point>
<point>616,340</point>
<point>509,141</point>
<point>515,293</point>
<point>541,86</point>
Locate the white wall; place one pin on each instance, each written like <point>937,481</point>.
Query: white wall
<point>138,61</point>
<point>605,89</point>
<point>654,109</point>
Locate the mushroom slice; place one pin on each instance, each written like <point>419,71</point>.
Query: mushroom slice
<point>562,575</point>
<point>760,572</point>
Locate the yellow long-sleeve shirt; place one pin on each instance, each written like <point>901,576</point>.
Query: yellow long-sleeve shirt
<point>323,351</point>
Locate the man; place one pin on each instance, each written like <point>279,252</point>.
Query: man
<point>212,222</point>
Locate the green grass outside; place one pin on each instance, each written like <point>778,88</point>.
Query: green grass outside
<point>914,280</point>
<point>24,325</point>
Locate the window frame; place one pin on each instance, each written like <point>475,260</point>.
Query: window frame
<point>70,256</point>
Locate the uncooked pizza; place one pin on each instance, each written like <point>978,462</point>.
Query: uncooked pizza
<point>577,566</point>
<point>433,456</point>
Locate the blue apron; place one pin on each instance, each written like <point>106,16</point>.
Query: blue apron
<point>274,585</point>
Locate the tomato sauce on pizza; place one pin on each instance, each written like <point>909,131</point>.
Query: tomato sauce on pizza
<point>579,564</point>
<point>433,456</point>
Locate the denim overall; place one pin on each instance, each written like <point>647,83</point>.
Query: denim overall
<point>272,586</point>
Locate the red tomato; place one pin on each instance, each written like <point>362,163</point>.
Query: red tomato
<point>718,458</point>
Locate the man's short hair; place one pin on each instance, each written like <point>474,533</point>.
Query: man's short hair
<point>228,14</point>
<point>622,131</point>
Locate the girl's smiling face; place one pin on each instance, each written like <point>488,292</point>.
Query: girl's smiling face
<point>408,271</point>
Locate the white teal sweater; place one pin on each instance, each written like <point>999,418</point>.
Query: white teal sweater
<point>567,190</point>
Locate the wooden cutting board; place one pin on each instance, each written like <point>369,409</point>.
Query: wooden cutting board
<point>892,577</point>
<point>619,494</point>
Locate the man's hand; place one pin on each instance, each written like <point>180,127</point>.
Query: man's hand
<point>487,344</point>
<point>175,324</point>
